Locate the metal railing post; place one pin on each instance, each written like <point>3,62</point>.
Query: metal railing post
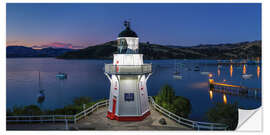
<point>212,126</point>
<point>74,117</point>
<point>84,110</point>
<point>66,122</point>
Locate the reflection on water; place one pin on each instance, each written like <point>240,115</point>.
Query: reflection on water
<point>218,72</point>
<point>224,99</point>
<point>244,69</point>
<point>231,70</point>
<point>258,71</point>
<point>211,94</point>
<point>86,78</point>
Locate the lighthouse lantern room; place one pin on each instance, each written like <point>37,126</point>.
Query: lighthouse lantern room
<point>128,76</point>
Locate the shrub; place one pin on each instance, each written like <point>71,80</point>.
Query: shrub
<point>81,100</point>
<point>176,104</point>
<point>224,113</point>
<point>32,109</point>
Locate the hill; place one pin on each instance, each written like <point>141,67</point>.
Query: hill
<point>240,50</point>
<point>21,51</point>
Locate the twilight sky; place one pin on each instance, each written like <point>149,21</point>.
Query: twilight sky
<point>82,25</point>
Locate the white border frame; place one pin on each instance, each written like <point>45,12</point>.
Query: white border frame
<point>265,66</point>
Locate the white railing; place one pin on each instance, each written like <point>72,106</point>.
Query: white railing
<point>74,118</point>
<point>89,110</point>
<point>186,122</point>
<point>41,118</point>
<point>58,118</point>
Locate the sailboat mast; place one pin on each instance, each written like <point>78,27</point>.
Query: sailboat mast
<point>39,84</point>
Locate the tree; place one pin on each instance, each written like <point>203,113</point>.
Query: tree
<point>81,100</point>
<point>32,109</point>
<point>176,104</point>
<point>17,110</point>
<point>166,95</point>
<point>182,106</point>
<point>224,113</point>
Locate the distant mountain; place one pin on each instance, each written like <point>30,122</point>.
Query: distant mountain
<point>21,51</point>
<point>240,50</point>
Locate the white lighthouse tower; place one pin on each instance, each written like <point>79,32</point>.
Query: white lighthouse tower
<point>128,76</point>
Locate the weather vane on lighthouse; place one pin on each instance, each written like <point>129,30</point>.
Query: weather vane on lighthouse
<point>126,23</point>
<point>128,75</point>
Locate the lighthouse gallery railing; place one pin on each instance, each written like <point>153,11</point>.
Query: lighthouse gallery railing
<point>74,118</point>
<point>128,69</point>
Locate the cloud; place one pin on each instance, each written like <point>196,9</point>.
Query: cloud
<point>58,45</point>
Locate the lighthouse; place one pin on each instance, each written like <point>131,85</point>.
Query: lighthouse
<point>128,75</point>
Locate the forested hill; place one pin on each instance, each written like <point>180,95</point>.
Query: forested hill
<point>240,50</point>
<point>22,51</point>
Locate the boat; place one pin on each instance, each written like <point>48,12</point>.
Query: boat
<point>177,76</point>
<point>246,76</point>
<point>205,73</point>
<point>61,75</point>
<point>176,73</point>
<point>41,94</point>
<point>187,69</point>
<point>196,68</point>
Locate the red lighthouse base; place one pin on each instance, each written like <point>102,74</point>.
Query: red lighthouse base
<point>112,116</point>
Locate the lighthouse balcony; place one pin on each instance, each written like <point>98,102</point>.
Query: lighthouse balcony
<point>128,69</point>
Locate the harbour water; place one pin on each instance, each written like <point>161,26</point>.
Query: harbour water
<point>86,78</point>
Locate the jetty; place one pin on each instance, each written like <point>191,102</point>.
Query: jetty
<point>230,89</point>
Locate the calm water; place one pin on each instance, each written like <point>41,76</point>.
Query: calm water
<point>86,78</point>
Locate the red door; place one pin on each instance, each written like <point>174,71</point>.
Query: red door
<point>114,106</point>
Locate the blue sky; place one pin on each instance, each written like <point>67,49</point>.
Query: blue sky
<point>81,25</point>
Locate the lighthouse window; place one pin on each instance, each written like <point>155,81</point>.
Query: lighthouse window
<point>122,46</point>
<point>129,96</point>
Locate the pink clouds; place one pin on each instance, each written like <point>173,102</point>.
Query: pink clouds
<point>58,45</point>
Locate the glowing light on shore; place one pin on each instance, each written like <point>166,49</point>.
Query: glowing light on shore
<point>231,70</point>
<point>211,94</point>
<point>210,75</point>
<point>211,81</point>
<point>224,99</point>
<point>258,71</point>
<point>218,72</point>
<point>244,69</point>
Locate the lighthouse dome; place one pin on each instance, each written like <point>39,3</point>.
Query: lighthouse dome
<point>127,32</point>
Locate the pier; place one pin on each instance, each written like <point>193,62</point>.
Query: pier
<point>231,89</point>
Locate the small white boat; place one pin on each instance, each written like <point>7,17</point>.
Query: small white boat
<point>196,68</point>
<point>178,77</point>
<point>205,73</point>
<point>61,75</point>
<point>176,73</point>
<point>41,94</point>
<point>41,97</point>
<point>247,76</point>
